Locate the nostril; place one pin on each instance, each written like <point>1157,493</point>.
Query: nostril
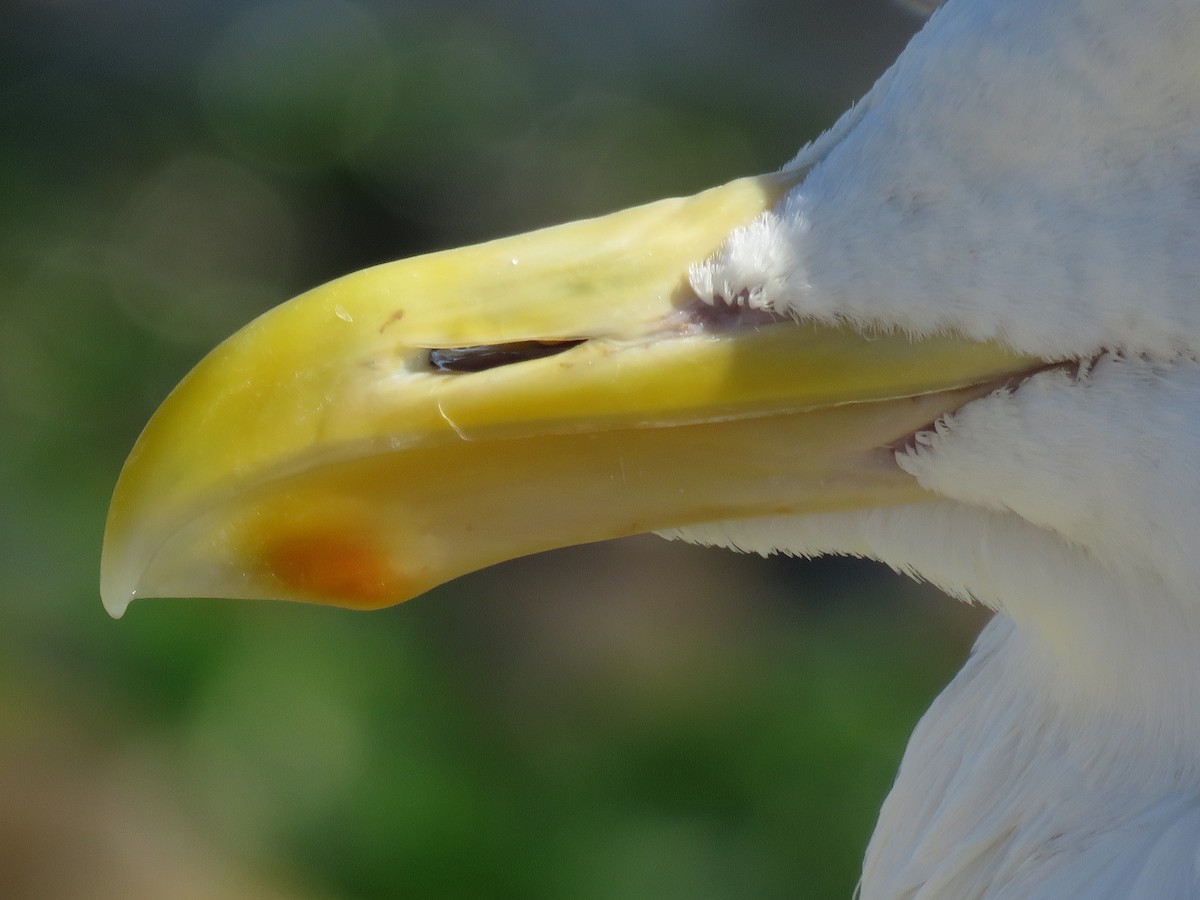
<point>491,356</point>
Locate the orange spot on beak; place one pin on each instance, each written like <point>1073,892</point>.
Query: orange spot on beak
<point>339,565</point>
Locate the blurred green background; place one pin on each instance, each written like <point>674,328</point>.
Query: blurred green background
<point>636,719</point>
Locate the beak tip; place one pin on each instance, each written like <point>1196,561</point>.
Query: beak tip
<point>118,585</point>
<point>116,601</point>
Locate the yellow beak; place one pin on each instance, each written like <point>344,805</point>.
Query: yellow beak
<point>406,424</point>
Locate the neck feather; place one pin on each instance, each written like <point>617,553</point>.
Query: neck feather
<point>1005,792</point>
<point>1064,760</point>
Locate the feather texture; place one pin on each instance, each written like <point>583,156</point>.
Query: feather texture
<point>1028,171</point>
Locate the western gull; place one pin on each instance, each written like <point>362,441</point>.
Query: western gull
<point>957,333</point>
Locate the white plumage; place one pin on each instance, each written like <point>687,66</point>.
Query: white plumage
<point>1029,170</point>
<point>1026,170</point>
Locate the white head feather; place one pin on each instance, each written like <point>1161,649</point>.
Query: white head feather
<point>1029,171</point>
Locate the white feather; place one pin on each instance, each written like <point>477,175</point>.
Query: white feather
<point>1028,171</point>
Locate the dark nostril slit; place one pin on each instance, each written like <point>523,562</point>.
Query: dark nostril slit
<point>492,356</point>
